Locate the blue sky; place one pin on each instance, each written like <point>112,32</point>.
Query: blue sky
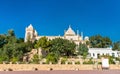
<point>52,17</point>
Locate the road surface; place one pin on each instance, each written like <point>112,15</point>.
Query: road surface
<point>64,72</point>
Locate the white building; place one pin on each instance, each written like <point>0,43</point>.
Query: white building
<point>96,52</point>
<point>32,35</point>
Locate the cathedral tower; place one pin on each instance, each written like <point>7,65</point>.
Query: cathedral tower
<point>30,33</point>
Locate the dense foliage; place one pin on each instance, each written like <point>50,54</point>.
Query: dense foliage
<point>83,50</point>
<point>44,43</point>
<point>99,41</point>
<point>116,45</point>
<point>56,48</point>
<point>11,48</point>
<point>62,47</point>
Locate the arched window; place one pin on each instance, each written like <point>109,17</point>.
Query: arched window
<point>98,55</point>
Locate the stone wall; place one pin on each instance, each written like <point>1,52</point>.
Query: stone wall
<point>28,67</point>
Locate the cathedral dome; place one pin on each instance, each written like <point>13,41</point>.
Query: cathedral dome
<point>86,38</point>
<point>70,32</point>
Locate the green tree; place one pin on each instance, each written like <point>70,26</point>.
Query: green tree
<point>116,45</point>
<point>11,32</point>
<point>36,59</point>
<point>3,40</point>
<point>83,50</point>
<point>12,48</point>
<point>44,43</point>
<point>20,40</point>
<point>29,46</point>
<point>52,57</point>
<point>63,47</point>
<point>98,41</point>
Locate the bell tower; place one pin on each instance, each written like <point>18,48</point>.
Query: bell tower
<point>30,33</point>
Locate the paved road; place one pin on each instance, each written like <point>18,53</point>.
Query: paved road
<point>64,72</point>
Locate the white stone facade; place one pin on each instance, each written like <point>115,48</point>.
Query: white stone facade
<point>32,35</point>
<point>96,52</point>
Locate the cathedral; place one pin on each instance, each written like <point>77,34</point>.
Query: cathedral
<point>32,35</point>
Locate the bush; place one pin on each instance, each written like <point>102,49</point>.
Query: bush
<point>14,60</point>
<point>1,62</point>
<point>63,60</point>
<point>45,63</point>
<point>88,62</point>
<point>111,60</point>
<point>99,62</point>
<point>51,57</point>
<point>35,59</point>
<point>22,62</point>
<point>117,59</point>
<point>69,62</point>
<point>78,62</point>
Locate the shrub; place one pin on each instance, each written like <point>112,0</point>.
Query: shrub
<point>69,62</point>
<point>51,57</point>
<point>88,62</point>
<point>63,60</point>
<point>117,59</point>
<point>78,62</point>
<point>35,59</point>
<point>111,60</point>
<point>14,60</point>
<point>99,62</point>
<point>45,63</point>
